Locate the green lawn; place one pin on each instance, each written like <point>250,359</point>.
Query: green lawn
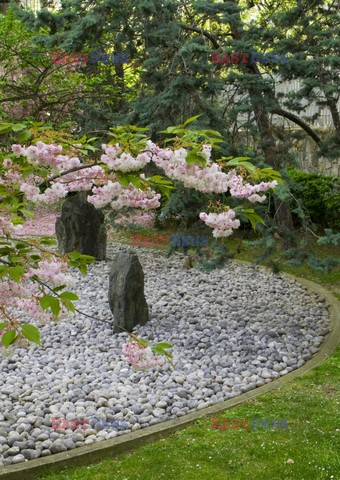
<point>311,405</point>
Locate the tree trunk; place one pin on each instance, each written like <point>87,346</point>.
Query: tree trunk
<point>282,211</point>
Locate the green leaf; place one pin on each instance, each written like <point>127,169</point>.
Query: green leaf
<point>191,119</point>
<point>124,181</point>
<point>192,158</point>
<point>241,159</point>
<point>48,241</point>
<point>31,333</point>
<point>170,130</point>
<point>48,301</point>
<point>83,269</point>
<point>90,147</point>
<point>160,180</point>
<point>247,165</point>
<point>135,181</point>
<point>253,218</point>
<point>68,304</point>
<point>17,127</point>
<point>57,289</point>
<point>269,171</point>
<point>8,337</point>
<point>3,325</point>
<point>27,213</point>
<point>6,250</point>
<point>3,270</point>
<point>5,128</point>
<point>164,345</point>
<point>16,220</point>
<point>74,255</point>
<point>16,272</point>
<point>88,258</point>
<point>35,258</point>
<point>156,178</point>
<point>143,342</point>
<point>69,296</point>
<point>24,136</point>
<point>3,189</point>
<point>212,132</point>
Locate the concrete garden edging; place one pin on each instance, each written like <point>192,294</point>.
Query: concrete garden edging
<point>125,443</point>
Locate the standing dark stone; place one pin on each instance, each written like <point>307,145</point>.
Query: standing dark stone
<point>126,292</point>
<point>81,227</point>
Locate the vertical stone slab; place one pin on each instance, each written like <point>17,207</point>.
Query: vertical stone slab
<point>81,227</point>
<point>126,292</point>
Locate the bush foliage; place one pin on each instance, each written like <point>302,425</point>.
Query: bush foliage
<point>319,195</point>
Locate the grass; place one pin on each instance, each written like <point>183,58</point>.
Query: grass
<point>311,405</point>
<point>307,450</point>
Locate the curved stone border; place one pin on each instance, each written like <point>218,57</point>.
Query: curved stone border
<point>110,448</point>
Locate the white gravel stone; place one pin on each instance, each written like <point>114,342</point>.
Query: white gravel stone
<point>225,341</point>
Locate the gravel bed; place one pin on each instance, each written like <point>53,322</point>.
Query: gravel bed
<point>232,330</point>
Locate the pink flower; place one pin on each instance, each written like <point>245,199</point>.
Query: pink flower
<point>141,358</point>
<point>17,149</point>
<point>221,223</point>
<point>7,163</point>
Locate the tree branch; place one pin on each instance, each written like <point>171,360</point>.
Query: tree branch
<point>293,118</point>
<point>204,32</point>
<point>71,170</point>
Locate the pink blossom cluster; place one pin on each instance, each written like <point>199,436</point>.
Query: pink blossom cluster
<point>119,197</point>
<point>83,180</point>
<point>105,189</point>
<point>42,224</point>
<point>7,228</point>
<point>7,163</point>
<point>136,198</point>
<point>22,296</point>
<point>140,357</point>
<point>47,154</point>
<point>221,223</point>
<point>207,179</point>
<point>11,174</point>
<point>143,219</point>
<point>101,196</point>
<point>41,154</point>
<point>122,161</point>
<point>53,272</point>
<point>239,190</point>
<point>51,194</point>
<point>86,179</point>
<point>50,155</point>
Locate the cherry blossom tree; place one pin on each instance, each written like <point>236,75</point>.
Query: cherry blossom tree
<point>34,278</point>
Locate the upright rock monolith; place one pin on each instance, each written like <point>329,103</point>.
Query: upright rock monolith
<point>126,292</point>
<point>81,227</point>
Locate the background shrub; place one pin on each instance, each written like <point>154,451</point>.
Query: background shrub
<point>320,196</point>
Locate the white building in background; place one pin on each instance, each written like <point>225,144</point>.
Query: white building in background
<point>32,4</point>
<point>38,4</point>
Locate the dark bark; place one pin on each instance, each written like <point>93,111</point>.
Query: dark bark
<point>293,118</point>
<point>332,105</point>
<point>283,214</point>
